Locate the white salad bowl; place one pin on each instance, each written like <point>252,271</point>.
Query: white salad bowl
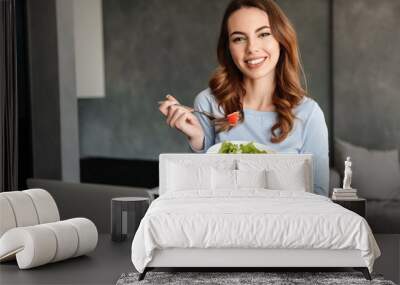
<point>215,148</point>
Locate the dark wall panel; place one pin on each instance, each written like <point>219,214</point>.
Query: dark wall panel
<point>44,89</point>
<point>55,143</point>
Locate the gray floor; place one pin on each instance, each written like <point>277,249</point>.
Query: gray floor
<point>110,260</point>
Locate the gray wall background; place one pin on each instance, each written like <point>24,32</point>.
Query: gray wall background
<point>156,47</point>
<point>367,72</point>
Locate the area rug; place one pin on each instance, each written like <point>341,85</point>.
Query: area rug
<point>244,278</point>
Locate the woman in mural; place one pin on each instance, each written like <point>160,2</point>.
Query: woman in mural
<point>258,76</point>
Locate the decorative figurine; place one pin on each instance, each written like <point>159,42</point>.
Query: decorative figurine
<point>347,174</point>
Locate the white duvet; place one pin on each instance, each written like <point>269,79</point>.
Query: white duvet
<point>252,218</point>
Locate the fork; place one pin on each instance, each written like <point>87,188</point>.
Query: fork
<point>209,115</point>
<point>219,122</point>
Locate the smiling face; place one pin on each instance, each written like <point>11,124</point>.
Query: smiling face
<point>253,48</point>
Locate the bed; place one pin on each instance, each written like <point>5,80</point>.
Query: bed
<point>247,210</point>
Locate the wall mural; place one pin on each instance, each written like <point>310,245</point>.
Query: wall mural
<point>154,47</point>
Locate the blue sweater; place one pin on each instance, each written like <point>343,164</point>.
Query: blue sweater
<point>309,134</point>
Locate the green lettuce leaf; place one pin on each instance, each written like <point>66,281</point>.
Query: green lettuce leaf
<point>228,147</point>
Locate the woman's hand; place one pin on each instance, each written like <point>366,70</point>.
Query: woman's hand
<point>184,120</point>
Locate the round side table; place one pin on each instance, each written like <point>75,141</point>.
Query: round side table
<point>126,214</point>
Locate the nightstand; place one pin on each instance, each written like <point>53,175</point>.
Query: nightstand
<point>126,214</point>
<point>358,205</point>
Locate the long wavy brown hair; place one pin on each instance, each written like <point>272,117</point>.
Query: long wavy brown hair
<point>227,85</point>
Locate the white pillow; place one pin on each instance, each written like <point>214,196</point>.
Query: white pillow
<point>251,178</point>
<point>283,174</point>
<point>229,179</point>
<point>223,179</point>
<point>291,179</point>
<point>188,177</point>
<point>376,173</point>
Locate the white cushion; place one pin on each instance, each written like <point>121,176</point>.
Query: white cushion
<point>376,173</point>
<point>188,177</point>
<point>251,178</point>
<point>23,208</point>
<point>67,239</point>
<point>291,179</point>
<point>45,206</point>
<point>228,179</point>
<point>32,246</point>
<point>284,174</point>
<point>87,233</point>
<point>223,179</point>
<point>7,218</point>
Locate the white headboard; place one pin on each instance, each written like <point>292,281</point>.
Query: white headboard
<point>232,160</point>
